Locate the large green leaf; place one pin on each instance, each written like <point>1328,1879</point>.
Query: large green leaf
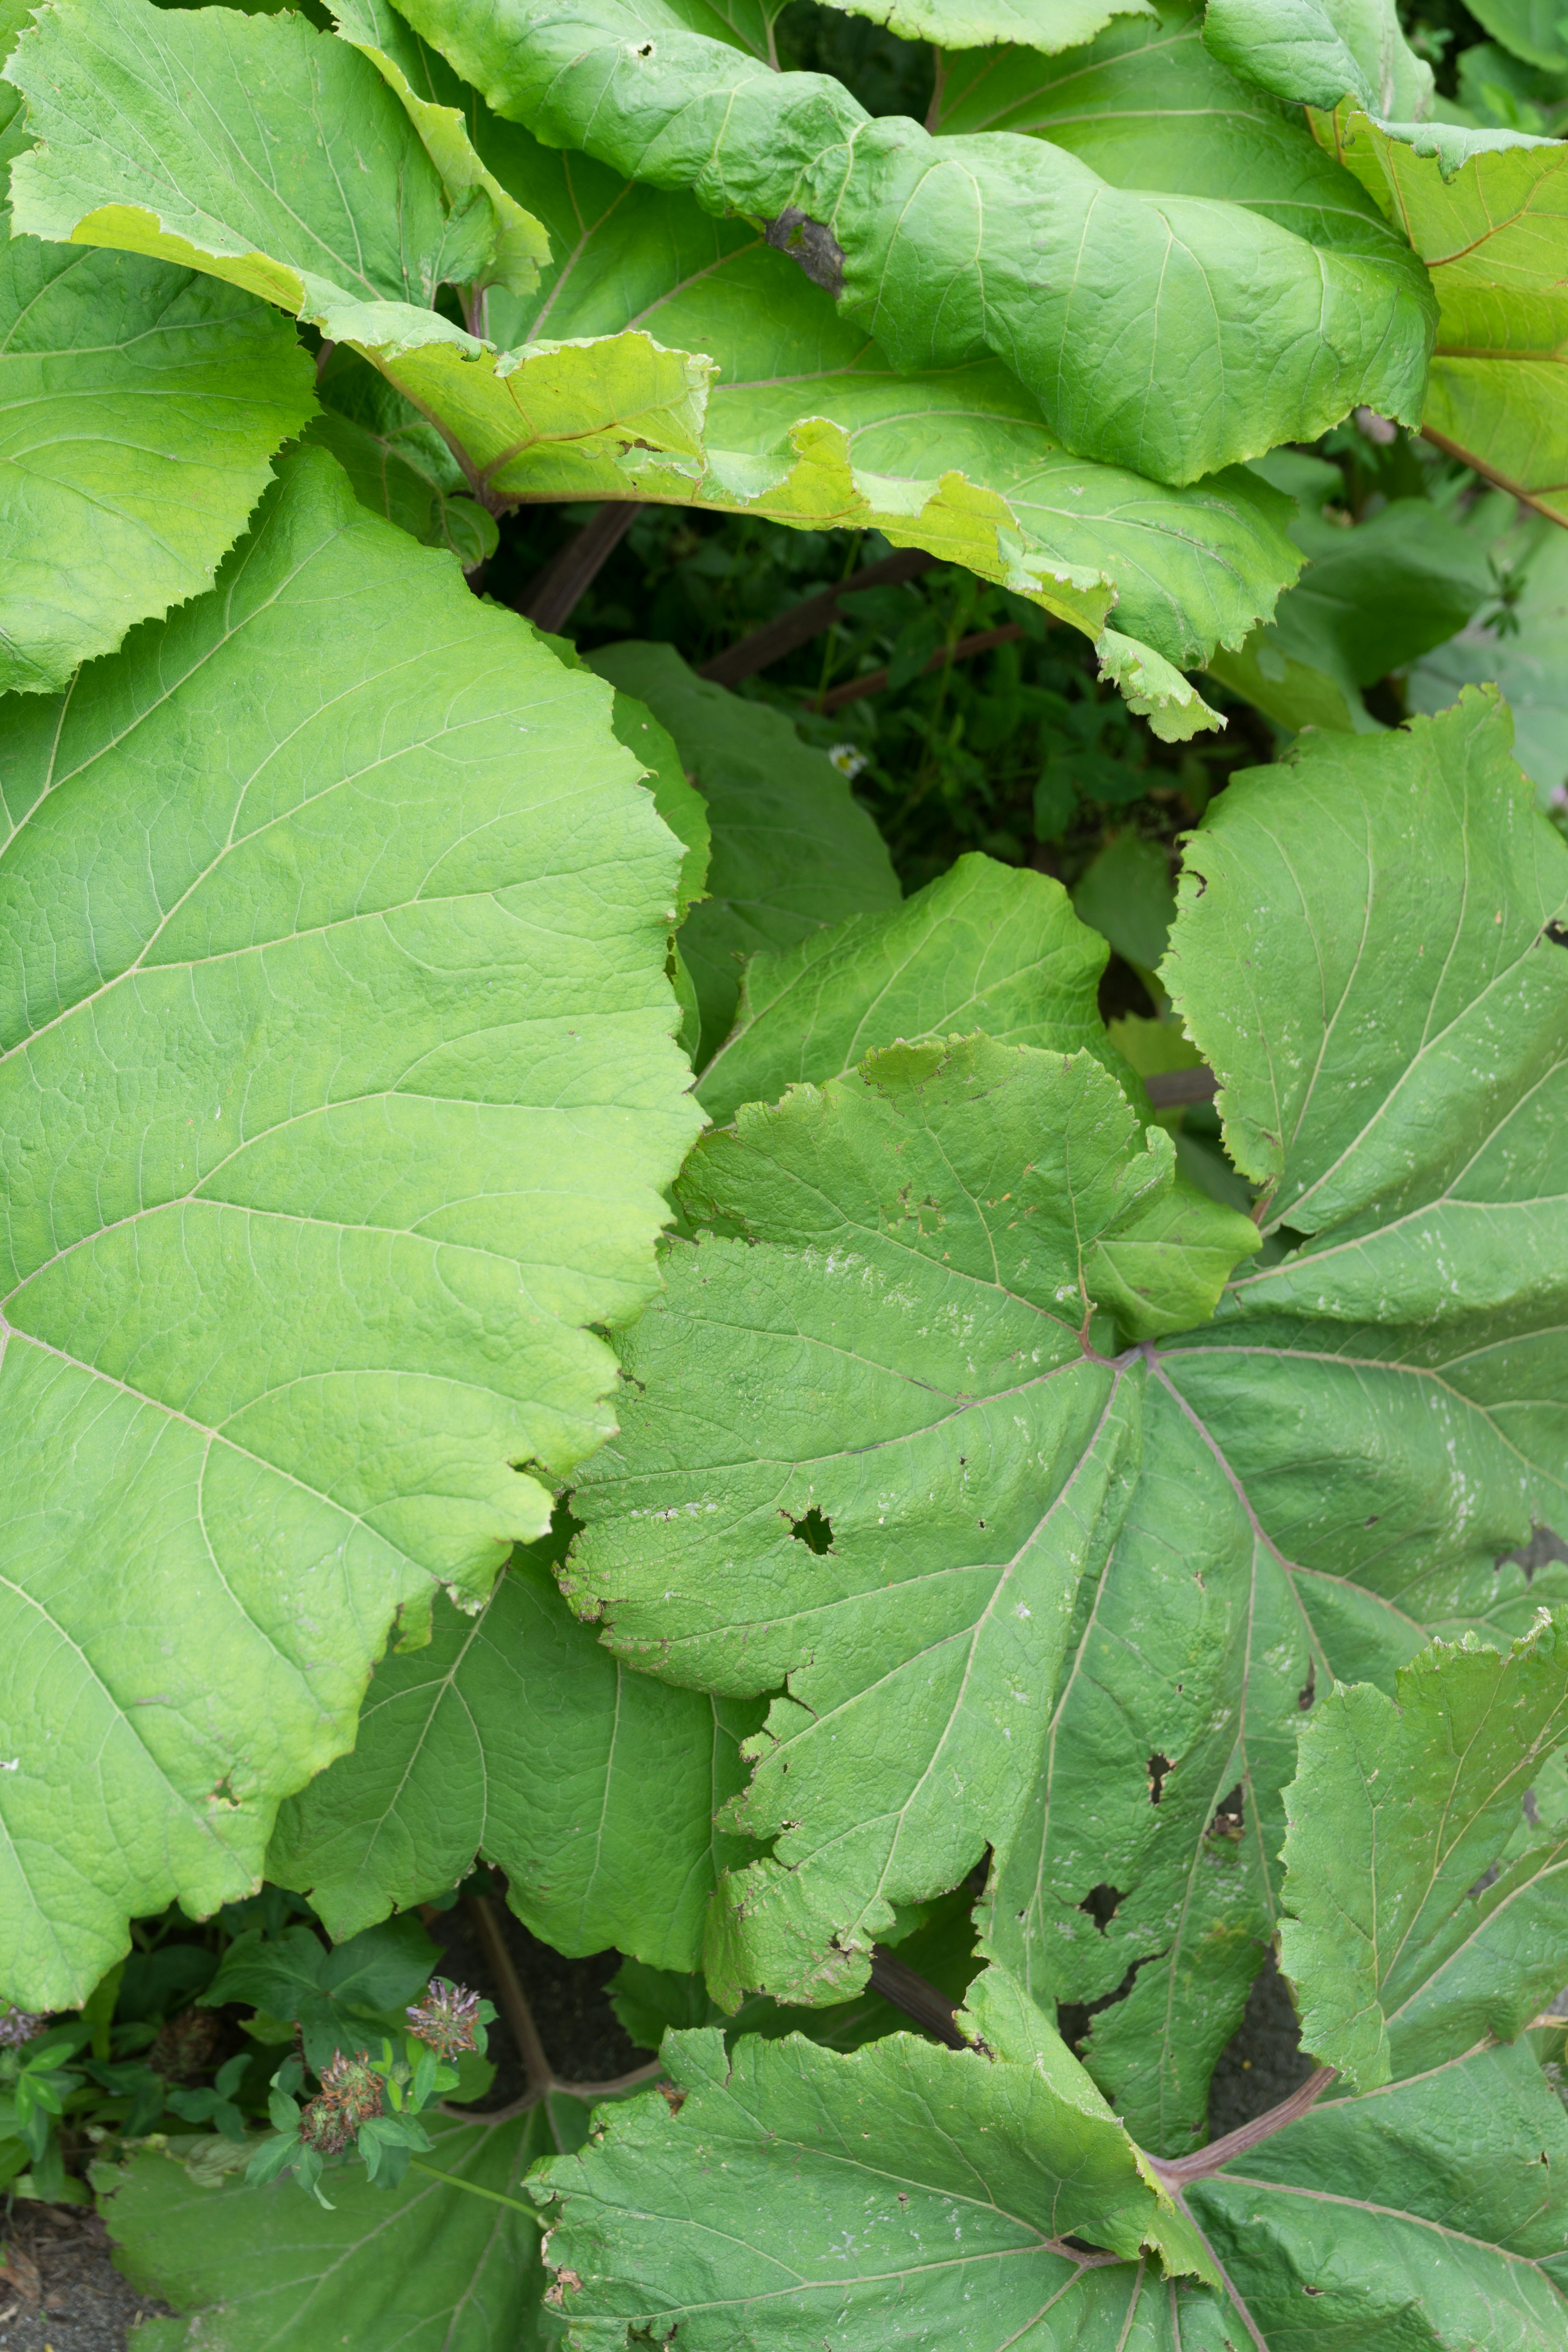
<point>1430,2214</point>
<point>791,849</point>
<point>1403,1954</point>
<point>1141,323</point>
<point>1148,105</point>
<point>866,1451</point>
<point>986,946</point>
<point>338,1088</point>
<point>515,1737</point>
<point>1487,212</point>
<point>1392,1069</point>
<point>806,421</point>
<point>139,406</point>
<point>427,2267</point>
<point>1313,1483</point>
<point>901,2193</point>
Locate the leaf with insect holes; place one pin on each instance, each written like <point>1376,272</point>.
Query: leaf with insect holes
<point>337,1093</point>
<point>864,1449</point>
<point>851,2198</point>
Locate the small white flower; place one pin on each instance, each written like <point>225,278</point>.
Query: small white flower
<point>848,759</point>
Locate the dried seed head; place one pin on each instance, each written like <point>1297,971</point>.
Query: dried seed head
<point>19,2026</point>
<point>351,2093</point>
<point>447,2017</point>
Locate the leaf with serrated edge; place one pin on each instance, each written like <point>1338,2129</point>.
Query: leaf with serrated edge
<point>339,1091</point>
<point>218,159</point>
<point>1094,297</point>
<point>254,2269</point>
<point>139,408</point>
<point>1367,952</point>
<point>897,2186</point>
<point>895,1347</point>
<point>1399,1808</point>
<point>1430,2213</point>
<point>515,1737</point>
<point>983,947</point>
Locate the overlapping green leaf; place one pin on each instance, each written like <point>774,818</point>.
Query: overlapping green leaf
<point>515,1737</point>
<point>986,946</point>
<point>1321,1471</point>
<point>791,849</point>
<point>337,1999</point>
<point>1393,1067</point>
<point>1136,321</point>
<point>810,423</point>
<point>1430,2213</point>
<point>901,2189</point>
<point>337,1091</point>
<point>865,1448</point>
<point>139,408</point>
<point>1403,1954</point>
<point>218,159</point>
<point>1148,105</point>
<point>1487,212</point>
<point>1317,52</point>
<point>430,2267</point>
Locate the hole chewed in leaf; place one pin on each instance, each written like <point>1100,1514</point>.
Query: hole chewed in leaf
<point>1557,933</point>
<point>814,1529</point>
<point>1102,1903</point>
<point>1158,1767</point>
<point>1308,1693</point>
<point>1229,1815</point>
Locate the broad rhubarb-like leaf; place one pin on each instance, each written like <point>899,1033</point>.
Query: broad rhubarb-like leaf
<point>1404,1948</point>
<point>1430,2212</point>
<point>873,1447</point>
<point>1138,322</point>
<point>337,1089</point>
<point>898,2192</point>
<point>515,1737</point>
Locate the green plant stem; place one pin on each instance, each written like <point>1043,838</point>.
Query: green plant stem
<point>494,2195</point>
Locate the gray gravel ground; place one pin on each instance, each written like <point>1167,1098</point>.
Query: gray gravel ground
<point>59,2291</point>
